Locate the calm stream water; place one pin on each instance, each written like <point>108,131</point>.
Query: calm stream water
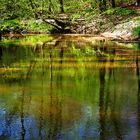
<point>69,88</point>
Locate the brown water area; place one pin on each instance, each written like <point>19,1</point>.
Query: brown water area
<point>69,87</point>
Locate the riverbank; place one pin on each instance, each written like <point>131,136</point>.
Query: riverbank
<point>113,24</point>
<point>116,24</point>
<point>126,30</point>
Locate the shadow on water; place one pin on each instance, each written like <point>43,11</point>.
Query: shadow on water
<point>41,107</point>
<point>23,99</point>
<point>55,120</point>
<point>101,103</point>
<point>113,104</point>
<point>106,102</point>
<point>23,131</point>
<point>102,73</point>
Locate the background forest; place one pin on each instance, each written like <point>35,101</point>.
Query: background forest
<point>49,15</point>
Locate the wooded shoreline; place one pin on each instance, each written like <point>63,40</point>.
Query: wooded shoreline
<point>108,19</point>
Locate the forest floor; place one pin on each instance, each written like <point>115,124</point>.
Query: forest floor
<point>121,24</point>
<point>125,29</point>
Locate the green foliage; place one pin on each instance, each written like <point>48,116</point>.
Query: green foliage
<point>75,16</point>
<point>87,51</point>
<point>30,25</point>
<point>138,19</point>
<point>120,11</point>
<point>35,25</point>
<point>27,10</point>
<point>13,9</point>
<point>10,23</point>
<point>136,31</point>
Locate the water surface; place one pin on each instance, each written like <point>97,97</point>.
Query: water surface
<point>69,88</point>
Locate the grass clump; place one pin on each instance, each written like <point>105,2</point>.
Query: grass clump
<point>120,11</point>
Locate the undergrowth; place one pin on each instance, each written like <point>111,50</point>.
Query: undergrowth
<point>120,11</point>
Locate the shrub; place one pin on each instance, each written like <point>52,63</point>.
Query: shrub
<point>9,23</point>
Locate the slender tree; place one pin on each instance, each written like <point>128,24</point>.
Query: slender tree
<point>138,2</point>
<point>102,5</point>
<point>113,3</point>
<point>50,6</point>
<point>61,6</point>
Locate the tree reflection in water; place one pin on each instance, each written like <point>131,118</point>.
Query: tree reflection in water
<point>62,91</point>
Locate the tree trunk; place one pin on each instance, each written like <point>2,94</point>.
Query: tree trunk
<point>0,35</point>
<point>50,6</point>
<point>138,2</point>
<point>61,6</point>
<point>102,5</point>
<point>113,4</point>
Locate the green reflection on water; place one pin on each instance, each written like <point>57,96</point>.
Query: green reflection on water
<point>65,87</point>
